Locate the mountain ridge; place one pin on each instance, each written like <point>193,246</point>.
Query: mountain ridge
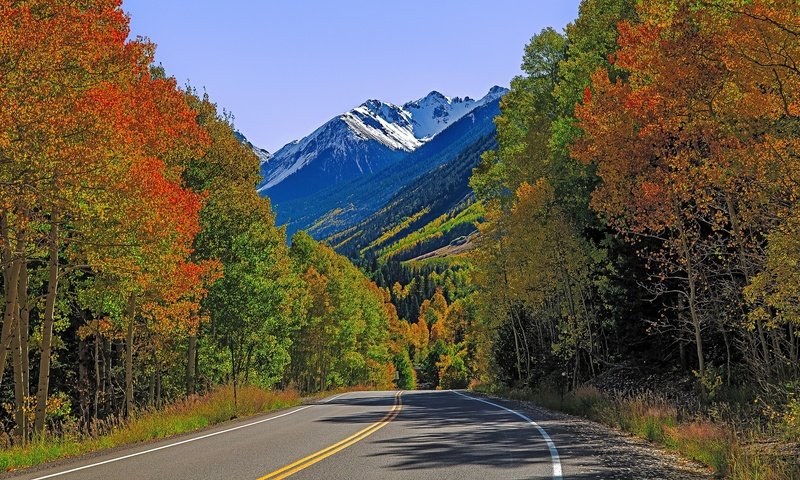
<point>361,141</point>
<point>344,205</point>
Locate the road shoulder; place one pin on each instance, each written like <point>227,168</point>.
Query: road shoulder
<point>135,447</point>
<point>591,450</point>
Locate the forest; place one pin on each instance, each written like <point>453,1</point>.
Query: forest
<point>639,207</point>
<point>642,209</point>
<point>139,264</point>
<point>643,199</point>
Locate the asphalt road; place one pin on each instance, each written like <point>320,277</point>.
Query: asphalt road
<point>365,435</point>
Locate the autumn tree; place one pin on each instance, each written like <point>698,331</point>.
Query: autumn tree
<point>74,149</point>
<point>549,267</point>
<point>344,339</point>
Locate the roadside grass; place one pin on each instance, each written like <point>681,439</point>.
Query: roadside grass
<point>186,415</point>
<point>738,455</point>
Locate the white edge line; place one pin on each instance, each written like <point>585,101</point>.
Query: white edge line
<point>554,458</point>
<point>188,440</point>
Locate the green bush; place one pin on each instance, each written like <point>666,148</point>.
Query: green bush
<point>406,377</point>
<point>453,372</point>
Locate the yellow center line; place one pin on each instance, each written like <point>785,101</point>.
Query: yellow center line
<point>306,462</point>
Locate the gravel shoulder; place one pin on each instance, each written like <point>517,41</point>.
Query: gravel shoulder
<point>590,450</point>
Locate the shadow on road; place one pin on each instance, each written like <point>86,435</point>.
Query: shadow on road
<point>440,429</point>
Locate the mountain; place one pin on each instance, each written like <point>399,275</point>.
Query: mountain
<point>360,142</point>
<point>436,209</point>
<point>435,112</point>
<point>263,155</point>
<point>344,205</point>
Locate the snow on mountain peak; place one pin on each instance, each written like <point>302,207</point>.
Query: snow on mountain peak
<point>416,122</point>
<point>434,112</point>
<point>263,155</point>
<point>383,122</point>
<point>397,128</point>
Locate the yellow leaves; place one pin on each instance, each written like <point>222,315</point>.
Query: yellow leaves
<point>58,405</point>
<point>775,292</point>
<point>420,335</point>
<point>533,199</point>
<point>318,289</point>
<point>438,302</point>
<point>438,332</point>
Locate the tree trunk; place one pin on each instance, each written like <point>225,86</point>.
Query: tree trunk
<point>698,334</point>
<point>83,380</point>
<point>20,349</point>
<point>525,346</point>
<point>739,239</point>
<point>575,372</point>
<point>97,380</point>
<point>129,338</point>
<point>20,430</point>
<point>11,283</point>
<point>696,323</point>
<point>191,365</point>
<point>24,325</point>
<point>42,392</point>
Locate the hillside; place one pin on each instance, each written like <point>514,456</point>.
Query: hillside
<point>336,209</point>
<point>427,214</point>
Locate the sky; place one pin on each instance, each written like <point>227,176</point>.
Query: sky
<point>284,67</point>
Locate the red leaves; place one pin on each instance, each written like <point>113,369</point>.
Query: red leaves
<point>177,310</point>
<point>163,207</point>
<point>643,133</point>
<point>88,129</point>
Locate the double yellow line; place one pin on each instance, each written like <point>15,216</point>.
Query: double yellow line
<point>306,462</point>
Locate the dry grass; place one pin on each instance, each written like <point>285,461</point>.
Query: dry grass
<point>185,415</point>
<point>182,416</point>
<point>731,454</point>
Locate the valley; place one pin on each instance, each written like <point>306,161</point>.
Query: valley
<point>588,270</point>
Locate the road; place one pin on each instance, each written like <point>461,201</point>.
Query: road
<point>385,435</point>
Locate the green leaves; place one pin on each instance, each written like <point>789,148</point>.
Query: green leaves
<point>344,339</point>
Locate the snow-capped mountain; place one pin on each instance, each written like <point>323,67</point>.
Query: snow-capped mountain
<point>263,155</point>
<point>363,140</point>
<point>438,169</point>
<point>435,112</point>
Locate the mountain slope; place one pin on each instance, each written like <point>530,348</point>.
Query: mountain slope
<point>361,142</point>
<point>263,155</point>
<point>430,212</point>
<point>344,205</point>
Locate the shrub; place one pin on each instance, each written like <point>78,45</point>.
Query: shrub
<point>406,377</point>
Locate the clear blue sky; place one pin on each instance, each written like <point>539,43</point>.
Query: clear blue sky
<point>283,67</point>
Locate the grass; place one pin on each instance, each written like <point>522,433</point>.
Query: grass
<point>732,454</point>
<point>183,416</point>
